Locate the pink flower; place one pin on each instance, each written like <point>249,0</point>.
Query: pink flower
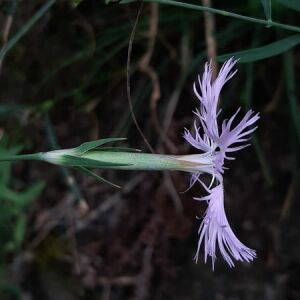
<point>215,232</point>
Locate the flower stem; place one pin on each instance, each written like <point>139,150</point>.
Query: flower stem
<point>35,156</point>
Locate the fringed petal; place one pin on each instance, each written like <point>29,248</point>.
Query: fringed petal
<point>216,233</point>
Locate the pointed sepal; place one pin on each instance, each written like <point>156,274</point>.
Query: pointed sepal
<point>94,175</point>
<point>83,148</point>
<point>75,161</point>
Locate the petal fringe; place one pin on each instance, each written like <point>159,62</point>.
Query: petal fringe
<point>215,232</point>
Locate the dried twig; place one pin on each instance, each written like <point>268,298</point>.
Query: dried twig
<point>209,20</point>
<point>49,219</point>
<point>143,280</point>
<point>140,281</point>
<point>119,281</point>
<point>173,100</point>
<point>110,202</point>
<point>145,67</point>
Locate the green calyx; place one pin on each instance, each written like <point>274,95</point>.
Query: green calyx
<point>75,158</point>
<point>91,155</point>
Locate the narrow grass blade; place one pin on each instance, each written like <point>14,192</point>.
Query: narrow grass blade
<point>224,13</point>
<point>10,44</point>
<point>263,52</point>
<point>22,198</point>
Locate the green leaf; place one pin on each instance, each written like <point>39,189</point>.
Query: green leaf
<point>5,167</point>
<point>74,161</point>
<point>21,199</point>
<point>19,230</point>
<point>94,144</point>
<point>292,4</point>
<point>90,173</point>
<point>267,5</point>
<point>263,52</point>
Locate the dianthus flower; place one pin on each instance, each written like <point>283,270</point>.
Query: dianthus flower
<point>218,143</point>
<point>215,144</point>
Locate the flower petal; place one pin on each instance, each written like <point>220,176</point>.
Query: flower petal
<point>216,233</point>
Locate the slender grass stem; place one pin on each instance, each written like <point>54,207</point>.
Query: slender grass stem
<point>267,23</point>
<point>25,28</point>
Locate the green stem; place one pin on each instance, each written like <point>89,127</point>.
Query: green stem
<point>268,23</point>
<point>35,156</point>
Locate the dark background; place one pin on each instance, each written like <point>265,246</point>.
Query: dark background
<point>64,83</point>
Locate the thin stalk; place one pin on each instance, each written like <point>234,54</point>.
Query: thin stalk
<point>267,23</point>
<point>35,156</point>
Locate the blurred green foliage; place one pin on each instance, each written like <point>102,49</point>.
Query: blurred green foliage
<point>14,205</point>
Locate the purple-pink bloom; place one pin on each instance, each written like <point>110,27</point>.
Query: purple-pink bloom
<point>215,232</point>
